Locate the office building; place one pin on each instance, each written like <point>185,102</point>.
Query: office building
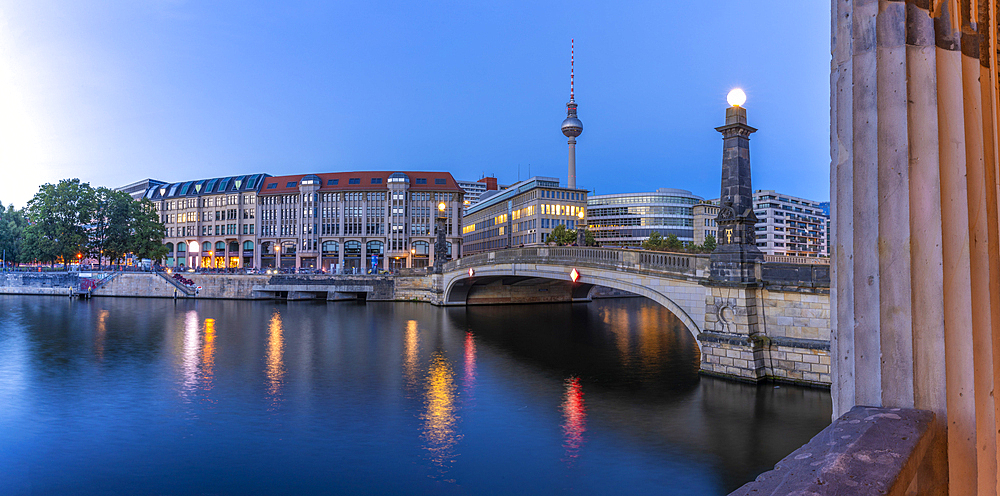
<point>627,219</point>
<point>792,226</point>
<point>705,224</point>
<point>475,189</point>
<point>209,222</point>
<point>523,214</point>
<point>353,222</point>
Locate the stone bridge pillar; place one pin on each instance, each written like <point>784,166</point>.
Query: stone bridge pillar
<point>731,342</point>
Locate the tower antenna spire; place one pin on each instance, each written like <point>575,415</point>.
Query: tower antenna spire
<point>571,67</point>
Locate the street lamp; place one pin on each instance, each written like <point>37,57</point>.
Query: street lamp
<point>581,237</point>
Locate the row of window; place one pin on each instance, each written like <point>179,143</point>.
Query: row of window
<point>207,246</point>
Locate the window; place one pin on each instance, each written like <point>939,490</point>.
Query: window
<point>376,180</point>
<point>332,182</point>
<point>354,180</point>
<point>290,184</point>
<point>272,185</point>
<point>440,181</point>
<point>420,180</point>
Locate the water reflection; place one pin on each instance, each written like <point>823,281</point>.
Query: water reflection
<point>440,431</point>
<point>275,359</point>
<point>574,419</point>
<point>208,354</point>
<point>101,334</point>
<point>469,379</point>
<point>189,358</point>
<point>411,355</point>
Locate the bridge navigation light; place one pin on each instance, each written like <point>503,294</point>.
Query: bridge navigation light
<point>574,275</point>
<point>471,272</point>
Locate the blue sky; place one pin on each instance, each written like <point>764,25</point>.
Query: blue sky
<point>115,91</point>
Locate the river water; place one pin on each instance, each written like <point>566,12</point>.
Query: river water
<point>149,396</point>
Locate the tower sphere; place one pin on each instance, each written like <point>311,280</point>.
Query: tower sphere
<point>572,127</point>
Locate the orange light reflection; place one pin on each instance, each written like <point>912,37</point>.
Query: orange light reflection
<point>440,420</point>
<point>102,330</point>
<point>208,354</point>
<point>411,355</point>
<point>275,364</point>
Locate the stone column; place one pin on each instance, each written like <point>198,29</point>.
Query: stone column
<point>916,258</point>
<point>736,253</point>
<point>732,344</point>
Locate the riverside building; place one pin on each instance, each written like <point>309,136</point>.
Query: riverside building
<point>792,226</point>
<point>523,214</point>
<point>353,222</point>
<point>476,189</point>
<point>705,225</point>
<point>209,222</point>
<point>627,219</point>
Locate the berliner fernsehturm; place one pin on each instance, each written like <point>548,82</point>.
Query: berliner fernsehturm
<point>571,127</point>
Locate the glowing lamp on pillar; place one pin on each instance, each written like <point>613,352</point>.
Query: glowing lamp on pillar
<point>736,97</point>
<point>574,275</point>
<point>581,235</point>
<point>440,249</point>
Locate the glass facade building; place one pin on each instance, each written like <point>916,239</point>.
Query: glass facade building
<point>628,219</point>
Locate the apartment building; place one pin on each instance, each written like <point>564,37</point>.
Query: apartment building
<point>788,225</point>
<point>209,222</point>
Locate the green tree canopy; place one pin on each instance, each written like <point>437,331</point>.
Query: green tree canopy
<point>58,217</point>
<point>709,245</point>
<point>671,242</point>
<point>655,241</point>
<point>12,224</point>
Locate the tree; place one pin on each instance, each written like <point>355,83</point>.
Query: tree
<point>58,216</point>
<point>113,229</point>
<point>12,224</point>
<point>655,241</point>
<point>709,245</point>
<point>588,238</point>
<point>672,243</point>
<point>562,236</point>
<point>147,231</point>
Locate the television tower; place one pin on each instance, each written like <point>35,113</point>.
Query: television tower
<point>571,127</point>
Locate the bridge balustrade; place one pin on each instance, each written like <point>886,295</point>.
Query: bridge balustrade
<point>578,255</point>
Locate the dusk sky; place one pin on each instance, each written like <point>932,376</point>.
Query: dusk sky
<point>116,91</point>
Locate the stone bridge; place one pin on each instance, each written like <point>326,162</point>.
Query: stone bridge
<point>777,327</point>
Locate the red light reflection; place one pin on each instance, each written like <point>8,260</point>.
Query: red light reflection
<point>574,418</point>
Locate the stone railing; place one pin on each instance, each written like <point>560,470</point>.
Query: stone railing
<point>610,258</point>
<point>867,451</point>
<point>797,260</point>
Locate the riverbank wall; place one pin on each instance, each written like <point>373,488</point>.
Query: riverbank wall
<point>224,286</point>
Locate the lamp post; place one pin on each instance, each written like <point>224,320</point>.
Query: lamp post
<point>440,250</point>
<point>581,235</point>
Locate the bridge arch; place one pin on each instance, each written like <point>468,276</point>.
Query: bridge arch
<point>685,299</point>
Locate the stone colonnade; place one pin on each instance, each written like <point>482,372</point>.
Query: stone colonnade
<point>916,282</point>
